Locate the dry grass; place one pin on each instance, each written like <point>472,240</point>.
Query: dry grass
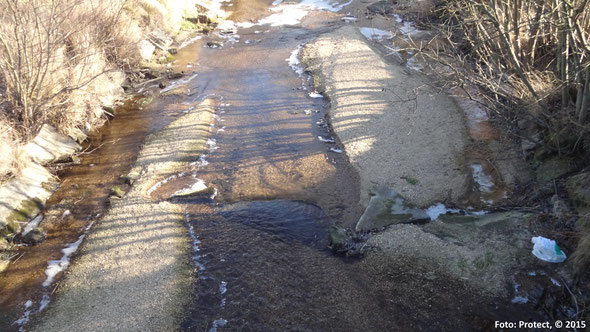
<point>51,56</point>
<point>168,14</point>
<point>13,159</point>
<point>62,60</point>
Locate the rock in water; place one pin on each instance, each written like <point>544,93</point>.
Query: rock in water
<point>34,237</point>
<point>338,239</point>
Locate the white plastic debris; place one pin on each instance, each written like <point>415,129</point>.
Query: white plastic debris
<point>547,250</point>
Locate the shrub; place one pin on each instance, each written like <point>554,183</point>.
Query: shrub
<point>529,57</point>
<point>52,54</point>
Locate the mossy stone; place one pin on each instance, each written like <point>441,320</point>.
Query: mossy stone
<point>553,168</point>
<point>116,191</point>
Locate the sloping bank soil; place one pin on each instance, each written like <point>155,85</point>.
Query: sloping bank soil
<point>401,133</point>
<point>134,270</point>
<point>393,125</point>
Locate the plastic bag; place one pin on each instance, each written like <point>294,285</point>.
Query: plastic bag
<point>547,250</point>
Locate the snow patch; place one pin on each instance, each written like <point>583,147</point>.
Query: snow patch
<point>218,323</point>
<point>326,139</point>
<point>32,224</point>
<point>188,42</point>
<point>195,242</point>
<point>485,182</point>
<point>196,187</point>
<point>223,287</point>
<point>294,62</point>
<point>292,14</point>
<point>439,209</point>
<point>56,266</point>
<point>375,34</point>
<point>212,144</point>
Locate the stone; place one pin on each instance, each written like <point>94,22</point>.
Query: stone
<point>553,168</point>
<point>22,197</point>
<point>213,44</point>
<point>162,85</point>
<point>173,75</point>
<point>201,19</point>
<point>387,207</point>
<point>35,236</point>
<point>51,146</point>
<point>116,191</point>
<point>131,177</point>
<point>146,50</point>
<point>163,60</point>
<point>578,189</point>
<point>337,238</point>
<point>113,200</point>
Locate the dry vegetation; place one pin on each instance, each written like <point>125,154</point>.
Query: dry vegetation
<point>530,60</point>
<point>60,59</point>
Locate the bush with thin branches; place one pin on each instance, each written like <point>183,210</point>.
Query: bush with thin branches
<point>52,53</point>
<point>529,56</point>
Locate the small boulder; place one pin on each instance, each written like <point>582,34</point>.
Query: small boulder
<point>117,192</point>
<point>34,237</point>
<point>337,238</point>
<point>198,189</point>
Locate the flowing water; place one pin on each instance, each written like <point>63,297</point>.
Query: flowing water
<point>260,239</point>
